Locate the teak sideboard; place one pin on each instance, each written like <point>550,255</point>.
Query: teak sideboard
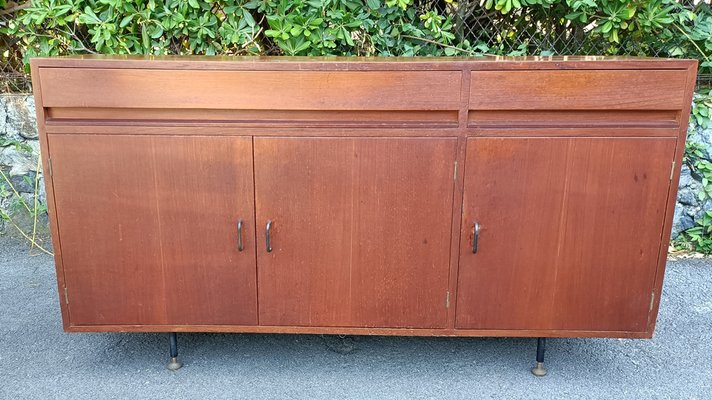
<point>489,196</point>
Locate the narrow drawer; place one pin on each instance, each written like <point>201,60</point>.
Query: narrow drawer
<point>578,90</point>
<point>250,90</point>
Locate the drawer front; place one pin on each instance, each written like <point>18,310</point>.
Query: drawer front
<point>251,90</point>
<point>578,90</point>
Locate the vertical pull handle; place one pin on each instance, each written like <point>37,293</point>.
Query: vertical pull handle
<point>240,246</point>
<point>268,239</point>
<point>475,237</point>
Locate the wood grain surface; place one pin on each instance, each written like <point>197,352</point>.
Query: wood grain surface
<point>252,118</point>
<point>147,227</point>
<point>669,120</point>
<point>570,232</point>
<point>330,63</point>
<point>361,231</point>
<point>343,330</point>
<point>672,198</point>
<point>578,90</point>
<point>372,171</point>
<point>251,90</point>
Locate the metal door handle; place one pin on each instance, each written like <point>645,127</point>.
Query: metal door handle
<point>475,237</point>
<point>240,246</point>
<point>268,240</point>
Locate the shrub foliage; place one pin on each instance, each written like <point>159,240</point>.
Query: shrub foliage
<point>354,27</point>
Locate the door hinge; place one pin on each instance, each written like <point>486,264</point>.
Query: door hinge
<point>652,301</point>
<point>447,299</point>
<point>66,296</point>
<point>49,161</point>
<point>672,170</point>
<point>455,175</point>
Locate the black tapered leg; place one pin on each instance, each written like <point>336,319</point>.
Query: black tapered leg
<point>539,369</point>
<point>174,363</point>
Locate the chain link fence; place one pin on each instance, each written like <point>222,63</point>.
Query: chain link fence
<point>13,78</point>
<point>543,31</point>
<point>524,31</point>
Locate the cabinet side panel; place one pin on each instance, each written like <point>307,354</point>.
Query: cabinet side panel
<point>49,190</point>
<point>672,195</point>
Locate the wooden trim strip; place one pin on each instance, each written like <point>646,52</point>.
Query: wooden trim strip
<point>457,205</point>
<point>256,118</point>
<point>671,203</point>
<point>489,63</point>
<point>574,132</point>
<point>493,119</point>
<point>232,130</point>
<point>356,331</point>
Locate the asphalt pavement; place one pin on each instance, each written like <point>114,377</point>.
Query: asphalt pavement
<point>39,361</point>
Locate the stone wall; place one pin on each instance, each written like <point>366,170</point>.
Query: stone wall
<point>689,208</point>
<point>19,150</point>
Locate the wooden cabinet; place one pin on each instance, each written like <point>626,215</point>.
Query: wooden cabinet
<point>348,196</point>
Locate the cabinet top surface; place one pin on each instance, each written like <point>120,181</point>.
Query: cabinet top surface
<point>269,62</point>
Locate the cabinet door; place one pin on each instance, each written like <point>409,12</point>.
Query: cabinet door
<point>360,230</point>
<point>569,232</point>
<point>148,229</point>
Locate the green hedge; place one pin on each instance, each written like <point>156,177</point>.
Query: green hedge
<point>296,27</point>
<point>351,27</point>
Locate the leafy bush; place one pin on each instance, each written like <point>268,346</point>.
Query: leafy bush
<point>363,28</point>
<point>300,27</point>
<point>699,237</point>
<point>633,27</point>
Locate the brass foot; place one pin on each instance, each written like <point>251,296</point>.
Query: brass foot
<point>174,364</point>
<point>539,370</point>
